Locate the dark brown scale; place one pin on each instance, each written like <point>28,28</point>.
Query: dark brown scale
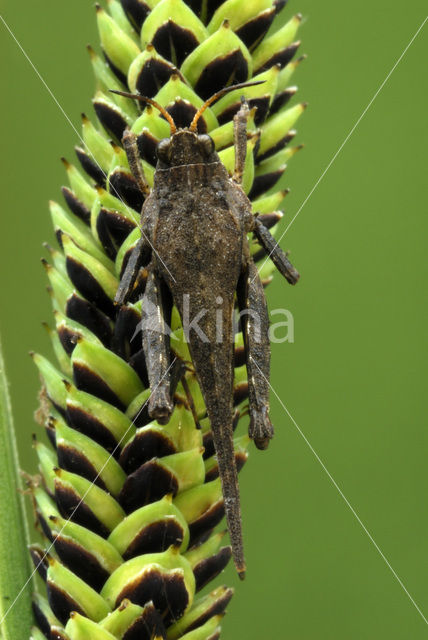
<point>148,483</point>
<point>61,603</point>
<point>281,144</point>
<point>279,5</point>
<point>240,393</point>
<point>138,362</point>
<point>208,443</point>
<point>204,9</point>
<point>167,591</point>
<point>239,357</point>
<point>50,432</point>
<point>71,507</point>
<point>141,416</point>
<point>88,286</point>
<point>261,104</point>
<point>136,11</point>
<point>253,31</point>
<point>269,220</point>
<point>92,427</point>
<point>183,112</point>
<point>117,72</point>
<point>70,459</point>
<point>90,317</point>
<point>44,525</point>
<point>154,74</point>
<point>60,635</point>
<point>118,225</point>
<point>126,342</point>
<point>58,235</point>
<point>282,58</point>
<point>206,522</point>
<point>174,42</point>
<point>75,205</point>
<point>147,145</point>
<point>124,186</point>
<point>113,228</point>
<point>41,619</point>
<point>155,537</point>
<point>264,182</point>
<point>68,339</point>
<point>41,564</point>
<point>142,262</point>
<point>148,626</point>
<point>90,167</point>
<point>215,609</point>
<point>209,568</point>
<point>281,99</point>
<point>240,460</point>
<point>89,381</point>
<point>143,447</point>
<point>81,562</point>
<point>110,118</point>
<point>105,237</point>
<point>222,71</point>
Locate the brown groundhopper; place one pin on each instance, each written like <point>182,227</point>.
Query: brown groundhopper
<point>194,245</point>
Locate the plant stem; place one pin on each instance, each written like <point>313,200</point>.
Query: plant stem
<point>15,617</point>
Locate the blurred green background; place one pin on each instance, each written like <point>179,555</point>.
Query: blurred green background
<point>354,379</point>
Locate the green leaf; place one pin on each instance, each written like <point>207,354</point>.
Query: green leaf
<point>15,606</point>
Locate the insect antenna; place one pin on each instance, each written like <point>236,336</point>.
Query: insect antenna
<point>155,104</point>
<point>217,96</point>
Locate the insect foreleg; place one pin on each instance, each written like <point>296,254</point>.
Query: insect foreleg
<point>255,324</point>
<point>130,145</point>
<point>156,314</point>
<point>275,253</point>
<point>140,255</point>
<point>240,141</point>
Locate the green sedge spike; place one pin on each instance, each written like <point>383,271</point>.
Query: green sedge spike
<point>128,507</point>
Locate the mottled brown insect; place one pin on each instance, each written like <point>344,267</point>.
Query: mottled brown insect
<point>194,225</point>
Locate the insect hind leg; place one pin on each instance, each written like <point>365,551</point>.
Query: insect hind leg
<point>155,325</point>
<point>255,323</point>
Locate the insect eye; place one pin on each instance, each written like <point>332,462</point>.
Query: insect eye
<point>206,143</point>
<point>162,150</point>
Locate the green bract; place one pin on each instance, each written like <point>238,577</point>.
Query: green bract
<point>128,506</point>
